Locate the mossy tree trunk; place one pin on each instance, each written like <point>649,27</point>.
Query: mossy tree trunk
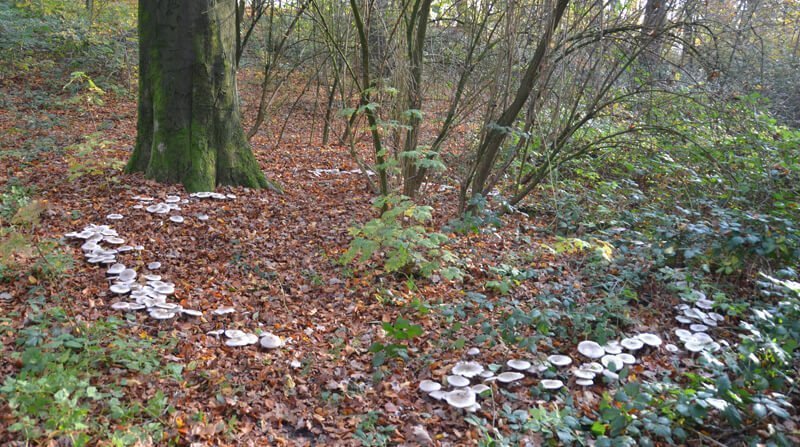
<point>189,127</point>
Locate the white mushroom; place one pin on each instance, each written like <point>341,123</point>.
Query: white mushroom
<point>550,384</point>
<point>161,314</point>
<point>611,375</point>
<point>116,269</point>
<point>698,327</point>
<point>429,386</point>
<point>121,305</point>
<point>192,312</point>
<point>467,369</point>
<point>509,377</point>
<point>438,394</point>
<point>486,374</point>
<point>631,344</point>
<point>457,381</point>
<point>612,362</point>
<point>270,341</point>
<point>627,358</point>
<point>683,334</point>
<point>119,289</point>
<point>235,333</point>
<point>127,275</point>
<point>480,388</point>
<point>584,374</point>
<point>223,310</point>
<point>684,319</point>
<point>612,347</point>
<point>650,339</point>
<point>584,382</point>
<point>594,367</point>
<point>559,360</point>
<point>461,398</point>
<point>671,348</point>
<point>176,219</point>
<point>114,216</point>
<point>247,339</point>
<point>519,365</point>
<point>473,351</point>
<point>591,349</point>
<point>154,266</point>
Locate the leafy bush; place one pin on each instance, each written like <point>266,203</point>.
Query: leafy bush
<point>400,239</point>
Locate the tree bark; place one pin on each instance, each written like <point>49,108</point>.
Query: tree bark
<point>189,126</point>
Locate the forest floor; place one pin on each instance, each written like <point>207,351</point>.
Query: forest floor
<point>273,257</point>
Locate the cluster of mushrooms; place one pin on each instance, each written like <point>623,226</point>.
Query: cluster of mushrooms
<point>699,319</point>
<point>173,203</point>
<point>150,295</point>
<point>606,360</point>
<point>236,338</point>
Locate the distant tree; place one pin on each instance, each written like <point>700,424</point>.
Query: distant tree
<point>189,127</point>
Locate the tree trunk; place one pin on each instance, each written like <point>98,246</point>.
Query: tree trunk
<point>189,127</point>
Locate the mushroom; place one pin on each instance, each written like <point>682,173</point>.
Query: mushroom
<point>684,319</point>
<point>519,365</point>
<point>594,367</point>
<point>176,219</point>
<point>612,362</point>
<point>486,374</point>
<point>509,377</point>
<point>698,327</point>
<point>611,375</point>
<point>591,349</point>
<point>202,217</point>
<point>438,394</point>
<point>559,360</point>
<point>584,374</point>
<point>223,310</point>
<point>429,386</point>
<point>627,358</point>
<point>461,398</point>
<point>116,269</point>
<point>650,339</point>
<point>192,312</point>
<point>550,384</point>
<point>114,240</point>
<point>683,334</point>
<point>154,266</point>
<point>612,347</point>
<point>161,314</point>
<point>127,275</point>
<point>584,382</point>
<point>121,305</point>
<point>467,369</point>
<point>473,351</point>
<point>247,339</point>
<point>457,381</point>
<point>271,341</point>
<point>671,348</point>
<point>119,289</point>
<point>114,216</point>
<point>480,388</point>
<point>631,344</point>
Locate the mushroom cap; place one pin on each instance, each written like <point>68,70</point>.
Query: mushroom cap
<point>710,322</point>
<point>693,345</point>
<point>509,377</point>
<point>271,341</point>
<point>473,351</point>
<point>610,374</point>
<point>438,394</point>
<point>631,344</point>
<point>683,319</point>
<point>467,369</point>
<point>716,316</point>
<point>519,365</point>
<point>223,310</point>
<point>591,349</point>
<point>116,269</point>
<point>683,334</point>
<point>550,384</point>
<point>627,358</point>
<point>114,216</point>
<point>612,362</point>
<point>704,304</point>
<point>486,374</point>
<point>613,347</point>
<point>594,367</point>
<point>671,348</point>
<point>480,388</point>
<point>176,219</point>
<point>584,374</point>
<point>192,312</point>
<point>584,382</point>
<point>457,381</point>
<point>650,339</point>
<point>119,289</point>
<point>162,314</point>
<point>247,339</point>
<point>559,360</point>
<point>121,305</point>
<point>461,398</point>
<point>698,328</point>
<point>429,386</point>
<point>234,333</point>
<point>154,266</point>
<point>702,337</point>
